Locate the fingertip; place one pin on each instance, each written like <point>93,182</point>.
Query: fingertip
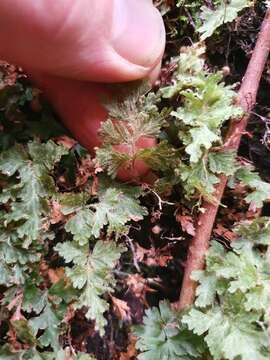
<point>137,168</point>
<point>138,32</point>
<point>79,106</point>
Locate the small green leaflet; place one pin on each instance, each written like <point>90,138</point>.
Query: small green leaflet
<point>197,178</point>
<point>204,104</point>
<point>13,261</point>
<point>115,208</point>
<point>227,337</point>
<point>233,296</point>
<point>29,196</point>
<point>34,299</point>
<point>81,226</point>
<point>226,12</point>
<point>206,289</point>
<point>222,162</point>
<point>49,322</point>
<point>162,336</point>
<point>260,189</point>
<point>92,274</point>
<point>202,137</point>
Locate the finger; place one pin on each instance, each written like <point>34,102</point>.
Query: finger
<point>98,40</point>
<point>79,105</point>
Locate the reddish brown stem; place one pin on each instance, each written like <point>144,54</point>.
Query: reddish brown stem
<point>247,99</point>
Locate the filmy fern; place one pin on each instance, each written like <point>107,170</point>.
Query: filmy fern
<point>133,115</point>
<point>224,12</point>
<point>163,336</point>
<point>233,296</point>
<point>231,311</point>
<point>92,275</point>
<point>28,187</point>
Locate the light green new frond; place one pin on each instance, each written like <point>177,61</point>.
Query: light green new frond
<point>204,104</point>
<point>222,162</point>
<point>197,178</point>
<point>92,274</point>
<point>232,302</point>
<point>202,138</point>
<point>225,12</point>
<point>131,116</point>
<point>112,160</point>
<point>260,189</point>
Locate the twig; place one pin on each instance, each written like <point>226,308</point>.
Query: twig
<point>160,201</point>
<point>246,99</point>
<point>135,262</point>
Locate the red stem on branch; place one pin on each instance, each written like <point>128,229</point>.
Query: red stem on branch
<point>247,99</point>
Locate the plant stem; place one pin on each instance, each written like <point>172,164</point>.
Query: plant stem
<point>246,99</point>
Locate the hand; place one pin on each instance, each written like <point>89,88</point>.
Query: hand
<point>71,47</point>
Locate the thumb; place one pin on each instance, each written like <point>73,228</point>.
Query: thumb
<point>98,40</point>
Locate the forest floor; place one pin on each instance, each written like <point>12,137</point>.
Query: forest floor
<point>152,269</point>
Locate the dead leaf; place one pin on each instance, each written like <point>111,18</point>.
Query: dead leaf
<point>140,253</point>
<point>186,224</point>
<point>131,352</point>
<point>9,74</point>
<point>163,260</point>
<point>12,339</point>
<point>121,309</point>
<point>227,234</point>
<point>67,142</point>
<point>35,103</point>
<point>56,274</point>
<point>69,315</point>
<point>86,170</point>
<point>252,207</point>
<point>138,286</point>
<point>16,302</point>
<point>152,256</point>
<point>56,215</point>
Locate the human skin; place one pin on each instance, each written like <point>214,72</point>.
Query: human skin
<point>71,48</point>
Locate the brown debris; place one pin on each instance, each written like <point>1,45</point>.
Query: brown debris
<point>121,309</point>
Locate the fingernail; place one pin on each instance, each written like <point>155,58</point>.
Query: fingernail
<point>138,33</point>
